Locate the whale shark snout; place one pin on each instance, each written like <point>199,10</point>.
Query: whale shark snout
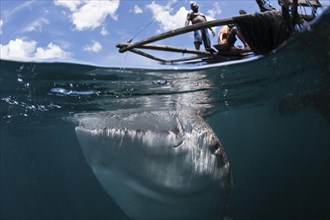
<point>157,164</point>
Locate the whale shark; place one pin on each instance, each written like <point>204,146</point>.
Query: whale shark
<point>158,164</point>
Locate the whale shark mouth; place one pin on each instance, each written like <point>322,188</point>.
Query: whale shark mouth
<point>157,164</point>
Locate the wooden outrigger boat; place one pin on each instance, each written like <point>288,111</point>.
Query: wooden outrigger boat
<point>264,32</point>
<point>197,54</point>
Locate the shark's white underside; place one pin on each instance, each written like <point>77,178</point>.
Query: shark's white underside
<point>158,164</point>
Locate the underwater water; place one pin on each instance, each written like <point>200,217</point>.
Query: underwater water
<point>248,141</point>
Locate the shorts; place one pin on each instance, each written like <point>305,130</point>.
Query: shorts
<point>197,37</point>
<point>202,36</point>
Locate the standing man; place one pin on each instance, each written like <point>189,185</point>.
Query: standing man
<point>196,17</point>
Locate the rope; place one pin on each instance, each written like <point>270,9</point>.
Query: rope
<point>151,22</point>
<point>312,7</point>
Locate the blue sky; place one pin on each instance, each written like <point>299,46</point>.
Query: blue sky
<point>87,31</point>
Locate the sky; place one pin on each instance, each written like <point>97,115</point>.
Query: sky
<point>87,31</point>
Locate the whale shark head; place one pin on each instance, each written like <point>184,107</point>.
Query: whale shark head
<point>157,164</point>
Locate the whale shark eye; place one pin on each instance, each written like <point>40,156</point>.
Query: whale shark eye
<point>215,147</point>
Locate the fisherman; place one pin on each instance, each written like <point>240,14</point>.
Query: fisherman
<point>196,17</point>
<point>227,36</point>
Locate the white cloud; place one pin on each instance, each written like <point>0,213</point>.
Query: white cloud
<point>52,51</point>
<point>90,14</point>
<point>104,31</point>
<point>213,13</point>
<point>94,13</point>
<point>36,25</point>
<point>167,21</point>
<point>93,47</point>
<point>71,5</point>
<point>18,49</point>
<point>21,49</point>
<point>137,10</point>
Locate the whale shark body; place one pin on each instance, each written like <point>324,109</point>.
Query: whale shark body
<point>159,164</point>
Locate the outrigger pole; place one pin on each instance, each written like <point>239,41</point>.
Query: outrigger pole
<point>165,61</point>
<point>168,49</point>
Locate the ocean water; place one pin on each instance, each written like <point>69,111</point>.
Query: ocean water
<point>271,116</point>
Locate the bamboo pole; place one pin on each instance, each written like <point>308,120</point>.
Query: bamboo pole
<point>186,59</point>
<point>139,52</point>
<point>168,49</point>
<point>147,55</point>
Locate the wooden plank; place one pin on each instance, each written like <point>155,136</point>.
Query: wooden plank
<point>180,31</point>
<point>139,52</point>
<point>169,49</point>
<point>186,59</point>
<point>233,52</point>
